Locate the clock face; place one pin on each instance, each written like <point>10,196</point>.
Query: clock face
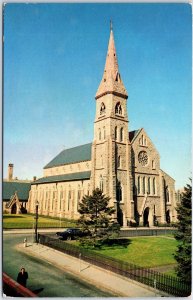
<point>143,158</point>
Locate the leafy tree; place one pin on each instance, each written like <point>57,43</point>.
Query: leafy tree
<point>96,218</point>
<point>184,235</point>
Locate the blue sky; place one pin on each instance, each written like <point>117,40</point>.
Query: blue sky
<point>54,56</point>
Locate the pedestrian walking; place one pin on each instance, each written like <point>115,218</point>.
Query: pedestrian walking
<point>22,277</point>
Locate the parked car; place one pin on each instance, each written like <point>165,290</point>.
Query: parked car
<point>71,234</point>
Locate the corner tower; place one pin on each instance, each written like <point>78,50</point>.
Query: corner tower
<point>111,150</point>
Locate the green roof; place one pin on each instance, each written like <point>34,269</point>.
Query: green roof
<point>22,189</point>
<point>79,153</point>
<point>72,155</point>
<point>67,177</point>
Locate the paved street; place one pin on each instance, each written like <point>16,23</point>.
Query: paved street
<point>49,280</point>
<point>56,274</point>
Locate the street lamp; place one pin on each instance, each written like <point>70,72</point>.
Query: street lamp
<point>36,222</point>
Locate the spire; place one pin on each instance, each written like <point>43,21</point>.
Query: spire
<point>111,25</point>
<point>111,81</point>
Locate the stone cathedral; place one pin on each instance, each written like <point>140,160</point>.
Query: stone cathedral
<point>124,164</point>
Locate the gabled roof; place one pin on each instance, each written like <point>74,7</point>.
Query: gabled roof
<point>165,174</point>
<point>79,153</point>
<point>22,189</point>
<point>67,177</point>
<point>133,134</point>
<point>72,155</point>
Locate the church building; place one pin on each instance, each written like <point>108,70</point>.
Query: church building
<point>124,164</point>
<point>15,193</point>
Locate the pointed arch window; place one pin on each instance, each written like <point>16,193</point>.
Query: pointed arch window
<point>167,195</point>
<point>153,164</point>
<point>143,185</point>
<point>119,192</point>
<point>121,134</point>
<point>102,109</point>
<point>116,133</point>
<point>69,197</point>
<point>48,202</point>
<point>118,76</point>
<point>61,194</point>
<point>54,198</point>
<point>118,108</point>
<point>118,161</point>
<point>143,141</point>
<point>148,186</point>
<point>99,134</point>
<point>154,188</point>
<point>139,186</point>
<point>78,197</point>
<point>101,183</point>
<point>60,199</point>
<point>104,132</point>
<point>46,199</point>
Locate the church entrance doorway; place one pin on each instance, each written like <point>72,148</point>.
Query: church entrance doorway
<point>146,217</point>
<point>14,209</point>
<point>168,216</point>
<point>119,215</point>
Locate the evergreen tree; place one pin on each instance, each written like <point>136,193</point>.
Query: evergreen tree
<point>96,218</point>
<point>184,235</point>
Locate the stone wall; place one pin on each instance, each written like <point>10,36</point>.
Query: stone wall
<point>59,199</point>
<point>149,190</point>
<point>168,185</point>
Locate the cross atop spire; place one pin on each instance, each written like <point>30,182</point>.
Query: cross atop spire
<point>111,25</point>
<point>111,81</point>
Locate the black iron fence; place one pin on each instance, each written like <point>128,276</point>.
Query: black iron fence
<point>162,282</point>
<point>146,232</point>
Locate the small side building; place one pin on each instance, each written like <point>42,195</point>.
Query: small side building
<point>15,193</point>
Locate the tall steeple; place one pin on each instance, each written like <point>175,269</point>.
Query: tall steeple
<point>111,149</point>
<point>111,82</point>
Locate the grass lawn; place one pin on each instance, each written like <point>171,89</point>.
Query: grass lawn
<point>144,251</point>
<point>148,252</point>
<point>28,221</point>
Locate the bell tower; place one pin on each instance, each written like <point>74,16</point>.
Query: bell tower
<point>111,150</point>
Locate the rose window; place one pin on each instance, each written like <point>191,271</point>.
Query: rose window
<point>143,158</point>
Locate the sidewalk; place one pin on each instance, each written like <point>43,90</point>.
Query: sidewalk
<point>103,279</point>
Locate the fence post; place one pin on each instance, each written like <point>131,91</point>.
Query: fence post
<point>154,283</point>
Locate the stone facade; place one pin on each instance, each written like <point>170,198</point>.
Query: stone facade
<point>58,199</point>
<point>124,165</point>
